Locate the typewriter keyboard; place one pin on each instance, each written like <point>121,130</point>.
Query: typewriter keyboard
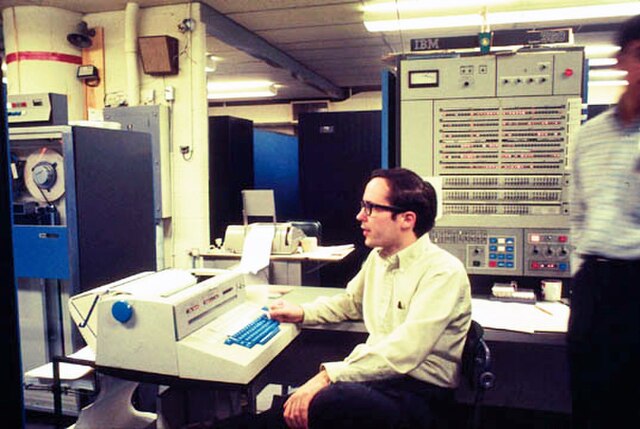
<point>259,331</point>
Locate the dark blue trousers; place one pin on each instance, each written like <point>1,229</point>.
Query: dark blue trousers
<point>389,404</point>
<point>402,403</point>
<point>604,344</point>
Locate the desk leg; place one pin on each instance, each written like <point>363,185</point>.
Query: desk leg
<point>57,392</point>
<point>250,393</point>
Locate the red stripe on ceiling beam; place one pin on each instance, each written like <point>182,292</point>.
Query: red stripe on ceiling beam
<point>43,56</point>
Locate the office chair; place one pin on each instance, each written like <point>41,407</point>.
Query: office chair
<point>476,369</point>
<point>311,228</point>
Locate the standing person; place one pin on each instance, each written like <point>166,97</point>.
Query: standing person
<point>604,328</point>
<point>415,301</point>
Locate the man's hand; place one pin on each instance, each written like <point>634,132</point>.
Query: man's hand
<point>296,409</point>
<point>284,311</point>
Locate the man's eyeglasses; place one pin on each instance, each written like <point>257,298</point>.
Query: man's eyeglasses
<point>368,207</point>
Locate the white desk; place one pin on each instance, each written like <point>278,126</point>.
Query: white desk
<point>302,294</point>
<point>283,269</point>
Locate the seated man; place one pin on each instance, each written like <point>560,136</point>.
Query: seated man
<point>415,301</point>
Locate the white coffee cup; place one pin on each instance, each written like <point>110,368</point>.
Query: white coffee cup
<point>309,244</point>
<point>551,289</point>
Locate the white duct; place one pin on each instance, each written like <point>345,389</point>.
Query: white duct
<point>131,53</point>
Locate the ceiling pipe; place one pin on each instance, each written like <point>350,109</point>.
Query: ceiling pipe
<point>131,53</point>
<point>233,34</point>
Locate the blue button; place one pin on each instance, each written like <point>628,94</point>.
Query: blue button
<point>510,256</point>
<point>509,264</point>
<point>493,240</point>
<point>563,266</point>
<point>501,256</point>
<point>492,256</point>
<point>493,248</point>
<point>501,264</point>
<point>509,248</point>
<point>510,240</point>
<point>122,311</point>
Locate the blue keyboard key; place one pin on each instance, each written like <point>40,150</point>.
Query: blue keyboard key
<point>272,334</point>
<point>258,331</point>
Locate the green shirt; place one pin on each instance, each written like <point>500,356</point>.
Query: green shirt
<point>416,306</point>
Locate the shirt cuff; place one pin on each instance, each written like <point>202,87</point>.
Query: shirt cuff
<point>334,369</point>
<point>310,315</point>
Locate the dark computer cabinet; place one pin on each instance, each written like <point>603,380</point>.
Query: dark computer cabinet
<point>10,362</point>
<point>93,223</point>
<point>82,217</point>
<point>338,152</point>
<point>230,170</point>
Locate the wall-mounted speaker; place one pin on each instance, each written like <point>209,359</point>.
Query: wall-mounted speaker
<point>82,36</point>
<point>159,55</point>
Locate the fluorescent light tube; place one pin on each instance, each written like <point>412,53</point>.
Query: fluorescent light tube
<point>413,5</point>
<point>596,50</point>
<point>475,20</point>
<point>239,85</point>
<point>241,94</point>
<point>607,73</point>
<point>241,89</point>
<point>602,62</point>
<point>608,83</point>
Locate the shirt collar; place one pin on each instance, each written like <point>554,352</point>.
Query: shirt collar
<point>406,256</point>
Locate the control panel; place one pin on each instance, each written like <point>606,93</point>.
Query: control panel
<point>37,109</point>
<point>483,251</point>
<point>497,130</point>
<point>504,158</point>
<point>494,133</point>
<point>546,252</point>
<point>508,251</point>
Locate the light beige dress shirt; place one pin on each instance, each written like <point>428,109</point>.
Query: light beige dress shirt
<point>416,306</point>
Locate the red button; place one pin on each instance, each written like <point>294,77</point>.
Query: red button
<point>568,72</point>
<point>493,264</point>
<point>535,265</point>
<point>562,238</point>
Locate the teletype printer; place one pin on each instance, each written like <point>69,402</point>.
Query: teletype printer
<point>170,323</point>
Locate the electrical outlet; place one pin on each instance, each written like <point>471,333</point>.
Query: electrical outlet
<point>169,93</point>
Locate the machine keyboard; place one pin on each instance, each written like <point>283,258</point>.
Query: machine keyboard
<point>259,331</point>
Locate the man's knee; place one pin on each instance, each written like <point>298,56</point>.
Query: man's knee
<point>336,396</point>
<point>343,405</point>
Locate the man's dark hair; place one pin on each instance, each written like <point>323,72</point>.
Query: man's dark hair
<point>629,32</point>
<point>409,192</point>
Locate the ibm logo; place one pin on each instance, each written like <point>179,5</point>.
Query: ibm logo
<point>425,44</point>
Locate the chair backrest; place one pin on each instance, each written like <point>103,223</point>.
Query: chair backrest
<point>476,367</point>
<point>258,203</point>
<point>311,228</point>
